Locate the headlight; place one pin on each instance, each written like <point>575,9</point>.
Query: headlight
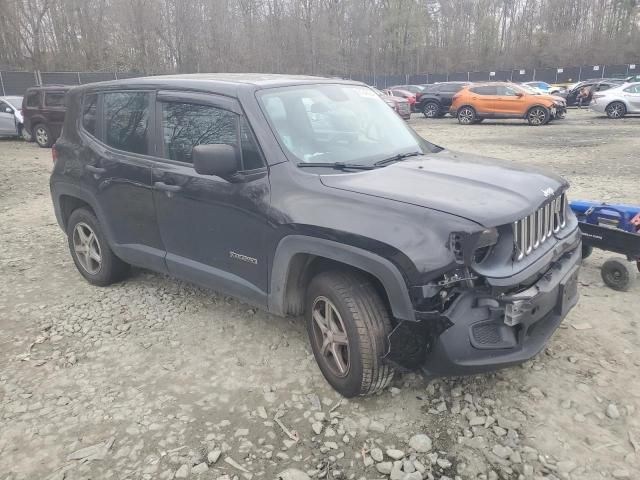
<point>486,241</point>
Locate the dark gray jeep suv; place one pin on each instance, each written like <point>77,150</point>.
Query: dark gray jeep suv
<point>303,195</point>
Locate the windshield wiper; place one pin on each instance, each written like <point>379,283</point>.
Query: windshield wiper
<point>338,165</point>
<point>397,158</point>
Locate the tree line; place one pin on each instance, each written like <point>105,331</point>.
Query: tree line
<point>322,37</point>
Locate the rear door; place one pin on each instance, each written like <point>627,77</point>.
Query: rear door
<point>484,100</point>
<point>214,230</point>
<point>7,119</point>
<point>54,110</point>
<point>116,158</point>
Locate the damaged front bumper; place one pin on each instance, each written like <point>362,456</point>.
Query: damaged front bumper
<point>480,332</point>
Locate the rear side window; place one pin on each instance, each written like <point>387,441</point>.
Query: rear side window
<point>126,117</point>
<point>185,125</point>
<point>633,89</point>
<point>451,88</point>
<point>89,108</point>
<point>33,100</point>
<point>54,99</point>
<point>487,90</point>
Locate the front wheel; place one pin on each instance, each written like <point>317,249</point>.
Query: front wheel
<point>538,116</point>
<point>466,116</point>
<point>616,110</point>
<point>348,326</point>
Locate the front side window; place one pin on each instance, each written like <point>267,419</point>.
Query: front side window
<point>506,91</point>
<point>185,125</point>
<point>338,123</point>
<point>127,121</point>
<point>33,100</point>
<point>54,99</point>
<point>89,108</point>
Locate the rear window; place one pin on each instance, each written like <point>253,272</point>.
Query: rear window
<point>33,100</point>
<point>89,109</point>
<point>126,117</point>
<point>54,99</point>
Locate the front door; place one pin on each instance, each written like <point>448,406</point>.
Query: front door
<point>632,94</point>
<point>213,229</point>
<point>7,120</point>
<point>509,103</point>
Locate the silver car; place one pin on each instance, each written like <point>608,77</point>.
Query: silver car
<point>11,120</point>
<point>618,101</point>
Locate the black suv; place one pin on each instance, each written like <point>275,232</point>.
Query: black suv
<point>309,196</point>
<point>435,100</point>
<point>43,109</point>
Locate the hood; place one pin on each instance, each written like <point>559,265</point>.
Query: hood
<point>486,191</point>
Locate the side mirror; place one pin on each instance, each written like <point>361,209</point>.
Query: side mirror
<point>218,159</point>
<point>519,94</point>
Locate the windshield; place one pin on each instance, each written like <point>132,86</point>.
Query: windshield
<point>338,123</point>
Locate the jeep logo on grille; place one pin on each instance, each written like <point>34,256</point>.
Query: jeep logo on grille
<point>547,192</point>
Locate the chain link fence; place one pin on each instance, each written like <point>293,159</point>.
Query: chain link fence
<point>15,83</point>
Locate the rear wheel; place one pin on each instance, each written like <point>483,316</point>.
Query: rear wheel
<point>42,135</point>
<point>538,116</point>
<point>431,110</point>
<point>618,274</point>
<point>90,252</point>
<point>348,326</point>
<point>466,116</point>
<point>616,110</point>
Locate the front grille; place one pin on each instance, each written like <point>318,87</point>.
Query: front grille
<point>535,229</point>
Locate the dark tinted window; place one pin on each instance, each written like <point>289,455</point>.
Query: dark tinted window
<point>89,107</point>
<point>33,99</point>
<point>185,125</point>
<point>54,99</point>
<point>251,158</point>
<point>451,88</point>
<point>127,121</point>
<point>487,90</point>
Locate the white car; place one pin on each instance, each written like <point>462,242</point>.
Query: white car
<point>618,101</point>
<point>11,120</point>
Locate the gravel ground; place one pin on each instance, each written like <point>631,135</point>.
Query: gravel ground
<point>156,379</point>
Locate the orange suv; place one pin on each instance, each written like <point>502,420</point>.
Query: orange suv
<point>476,102</point>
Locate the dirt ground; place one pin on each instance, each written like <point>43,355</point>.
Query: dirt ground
<point>157,379</point>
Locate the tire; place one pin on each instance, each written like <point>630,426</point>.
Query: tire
<point>359,317</point>
<point>616,110</point>
<point>538,116</point>
<point>431,110</point>
<point>42,136</point>
<point>587,250</point>
<point>102,270</point>
<point>466,116</point>
<point>618,274</point>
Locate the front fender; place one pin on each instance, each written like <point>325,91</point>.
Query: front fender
<point>385,271</point>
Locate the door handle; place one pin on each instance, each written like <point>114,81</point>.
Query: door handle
<point>166,187</point>
<point>94,169</point>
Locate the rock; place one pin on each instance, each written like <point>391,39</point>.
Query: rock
<point>292,474</point>
<point>241,432</point>
<point>477,421</point>
<point>377,455</point>
<point>500,451</point>
<point>413,476</point>
<point>183,472</point>
<point>368,461</point>
<point>499,431</point>
<point>316,427</point>
<point>329,432</point>
<point>443,463</point>
<point>200,468</point>
<point>262,412</point>
<point>419,466</point>
<point>395,454</point>
<point>621,473</point>
<point>384,467</point>
<point>566,466</point>
<point>213,456</point>
<point>376,427</point>
<point>408,466</point>
<point>612,411</point>
<point>94,452</point>
<point>421,443</point>
<point>396,473</point>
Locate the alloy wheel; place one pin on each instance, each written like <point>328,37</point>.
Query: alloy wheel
<point>466,116</point>
<point>537,116</point>
<point>42,137</point>
<point>430,110</point>
<point>615,110</point>
<point>331,337</point>
<point>87,248</point>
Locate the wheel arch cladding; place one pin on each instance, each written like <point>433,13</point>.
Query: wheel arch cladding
<point>70,203</point>
<point>293,264</point>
